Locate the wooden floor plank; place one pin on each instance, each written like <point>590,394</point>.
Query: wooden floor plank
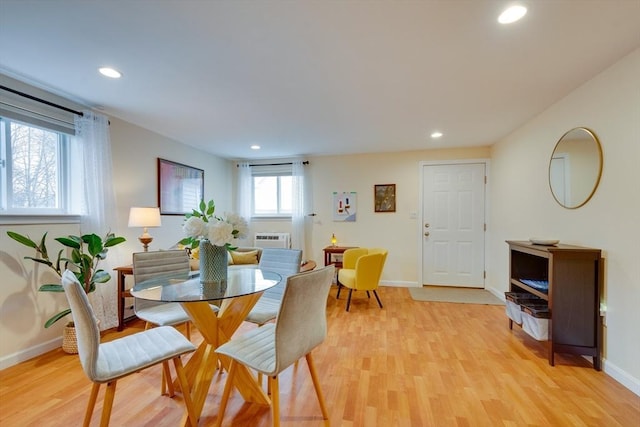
<point>409,364</point>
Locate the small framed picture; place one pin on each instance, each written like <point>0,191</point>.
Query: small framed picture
<point>384,197</point>
<point>180,187</point>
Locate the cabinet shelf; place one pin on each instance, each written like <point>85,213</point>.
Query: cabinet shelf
<point>534,291</point>
<point>574,277</point>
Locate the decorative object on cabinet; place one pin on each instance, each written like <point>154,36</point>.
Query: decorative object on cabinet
<point>144,217</point>
<point>384,198</point>
<point>567,279</point>
<point>575,168</point>
<point>179,187</point>
<point>545,242</point>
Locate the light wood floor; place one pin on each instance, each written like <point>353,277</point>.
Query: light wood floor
<point>409,364</point>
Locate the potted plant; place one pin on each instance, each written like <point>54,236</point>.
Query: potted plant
<point>86,253</point>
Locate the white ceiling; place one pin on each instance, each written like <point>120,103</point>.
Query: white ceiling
<point>316,77</point>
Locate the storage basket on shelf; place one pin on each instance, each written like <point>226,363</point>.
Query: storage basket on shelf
<point>535,320</point>
<point>513,301</point>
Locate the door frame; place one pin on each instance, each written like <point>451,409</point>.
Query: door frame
<point>420,219</point>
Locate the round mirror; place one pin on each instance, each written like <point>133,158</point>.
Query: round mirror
<point>575,168</point>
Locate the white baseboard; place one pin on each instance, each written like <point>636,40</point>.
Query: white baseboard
<point>29,353</point>
<point>621,376</point>
<point>399,284</point>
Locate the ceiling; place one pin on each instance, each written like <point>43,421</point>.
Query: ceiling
<point>316,77</point>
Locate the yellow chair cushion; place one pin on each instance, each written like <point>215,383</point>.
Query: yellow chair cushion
<point>249,257</point>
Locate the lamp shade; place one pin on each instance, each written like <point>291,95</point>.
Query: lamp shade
<point>144,217</point>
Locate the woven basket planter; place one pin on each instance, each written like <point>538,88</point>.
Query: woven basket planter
<point>69,339</point>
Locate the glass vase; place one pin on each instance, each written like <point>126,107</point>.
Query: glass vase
<point>213,262</point>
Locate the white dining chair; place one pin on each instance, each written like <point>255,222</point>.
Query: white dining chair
<point>300,326</point>
<point>110,361</point>
<point>284,262</point>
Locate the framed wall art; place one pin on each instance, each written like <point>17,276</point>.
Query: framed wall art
<point>344,206</point>
<point>180,187</point>
<point>384,197</point>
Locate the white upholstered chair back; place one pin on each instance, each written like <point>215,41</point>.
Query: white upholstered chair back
<point>87,331</point>
<point>147,265</point>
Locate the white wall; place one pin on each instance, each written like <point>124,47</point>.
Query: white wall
<point>523,206</point>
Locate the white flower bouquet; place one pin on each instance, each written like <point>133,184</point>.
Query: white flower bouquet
<point>220,231</point>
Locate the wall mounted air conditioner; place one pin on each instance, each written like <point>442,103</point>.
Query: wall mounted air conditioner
<point>271,240</point>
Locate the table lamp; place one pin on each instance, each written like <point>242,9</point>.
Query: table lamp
<point>333,239</point>
<point>144,217</point>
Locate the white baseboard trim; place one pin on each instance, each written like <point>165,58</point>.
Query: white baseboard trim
<point>399,284</point>
<point>622,376</point>
<point>29,353</point>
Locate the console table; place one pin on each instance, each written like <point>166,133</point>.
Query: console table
<point>574,277</point>
<point>123,271</point>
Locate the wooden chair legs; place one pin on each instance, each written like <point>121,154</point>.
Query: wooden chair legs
<point>274,387</point>
<point>111,392</point>
<point>316,385</point>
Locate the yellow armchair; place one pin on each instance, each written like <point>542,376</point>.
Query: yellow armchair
<point>362,269</point>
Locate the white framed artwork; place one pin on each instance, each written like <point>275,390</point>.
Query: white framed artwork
<point>344,206</point>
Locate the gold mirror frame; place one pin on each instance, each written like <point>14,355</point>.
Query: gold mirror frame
<point>575,168</point>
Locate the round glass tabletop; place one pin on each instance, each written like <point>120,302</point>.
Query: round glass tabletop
<point>176,288</point>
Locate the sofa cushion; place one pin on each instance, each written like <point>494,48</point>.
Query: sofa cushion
<point>241,257</point>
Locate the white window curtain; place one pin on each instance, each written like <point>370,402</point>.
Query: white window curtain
<point>98,204</point>
<point>300,200</point>
<point>244,194</point>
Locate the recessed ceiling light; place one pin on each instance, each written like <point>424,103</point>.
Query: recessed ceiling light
<point>255,147</point>
<point>436,135</point>
<point>512,14</point>
<point>110,72</point>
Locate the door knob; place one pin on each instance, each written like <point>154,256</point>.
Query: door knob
<point>426,234</point>
<point>426,225</point>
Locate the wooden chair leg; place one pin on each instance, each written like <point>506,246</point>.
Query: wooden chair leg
<point>349,299</point>
<point>376,294</point>
<point>167,383</point>
<point>316,385</point>
<point>275,401</point>
<point>186,392</point>
<point>339,288</point>
<point>368,294</point>
<point>108,403</point>
<point>226,392</point>
<point>91,405</point>
<point>188,327</point>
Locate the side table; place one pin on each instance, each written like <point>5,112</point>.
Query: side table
<point>125,270</point>
<point>329,251</point>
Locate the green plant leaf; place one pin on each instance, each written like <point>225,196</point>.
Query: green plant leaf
<point>57,317</point>
<point>101,276</point>
<point>71,241</point>
<point>43,246</point>
<point>112,241</point>
<point>94,243</point>
<point>22,239</point>
<point>51,287</point>
<point>40,260</point>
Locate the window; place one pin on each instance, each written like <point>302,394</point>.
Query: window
<point>34,169</point>
<point>272,190</point>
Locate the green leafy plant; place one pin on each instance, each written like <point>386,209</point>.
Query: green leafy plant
<point>86,253</point>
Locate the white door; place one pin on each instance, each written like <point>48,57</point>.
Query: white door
<point>453,224</point>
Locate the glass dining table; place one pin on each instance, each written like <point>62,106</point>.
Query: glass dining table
<point>234,298</point>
